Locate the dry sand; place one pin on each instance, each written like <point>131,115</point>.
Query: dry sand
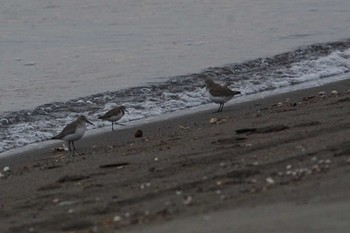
<point>263,166</point>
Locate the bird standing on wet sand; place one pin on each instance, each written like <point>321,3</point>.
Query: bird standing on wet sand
<point>73,131</point>
<point>219,94</point>
<point>114,115</point>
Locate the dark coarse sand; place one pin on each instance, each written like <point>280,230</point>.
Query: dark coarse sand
<point>277,164</point>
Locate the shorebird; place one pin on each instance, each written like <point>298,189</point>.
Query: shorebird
<point>114,115</point>
<point>219,94</point>
<point>73,131</point>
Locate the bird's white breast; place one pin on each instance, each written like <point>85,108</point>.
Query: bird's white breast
<point>79,132</point>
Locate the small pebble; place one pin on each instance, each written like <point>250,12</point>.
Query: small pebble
<point>213,120</point>
<point>328,161</point>
<point>178,192</point>
<point>55,200</point>
<point>138,134</point>
<point>117,218</point>
<point>188,200</point>
<point>334,92</point>
<point>269,180</point>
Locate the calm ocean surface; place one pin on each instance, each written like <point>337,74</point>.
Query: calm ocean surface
<point>63,58</point>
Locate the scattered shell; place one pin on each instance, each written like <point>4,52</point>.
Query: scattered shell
<point>218,192</point>
<point>6,169</point>
<point>117,218</point>
<point>280,104</point>
<point>213,120</point>
<point>321,93</point>
<point>60,148</point>
<point>256,163</point>
<point>269,180</point>
<point>328,161</point>
<point>187,200</point>
<point>178,192</point>
<point>70,211</point>
<point>138,133</point>
<point>289,166</point>
<point>55,200</point>
<point>219,182</point>
<point>334,92</point>
<point>156,159</point>
<point>184,127</point>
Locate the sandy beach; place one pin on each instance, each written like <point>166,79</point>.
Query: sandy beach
<point>276,164</point>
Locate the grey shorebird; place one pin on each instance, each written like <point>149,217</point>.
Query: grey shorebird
<point>73,131</point>
<point>219,94</point>
<point>114,115</point>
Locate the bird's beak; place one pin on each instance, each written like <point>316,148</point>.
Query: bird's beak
<point>90,122</point>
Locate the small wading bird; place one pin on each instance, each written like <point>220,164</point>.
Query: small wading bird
<point>114,115</point>
<point>219,94</point>
<point>73,131</point>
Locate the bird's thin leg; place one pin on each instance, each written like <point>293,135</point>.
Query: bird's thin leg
<point>69,146</point>
<point>222,107</point>
<point>112,127</point>
<point>73,146</point>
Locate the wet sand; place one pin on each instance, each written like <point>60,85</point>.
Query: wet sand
<point>277,164</point>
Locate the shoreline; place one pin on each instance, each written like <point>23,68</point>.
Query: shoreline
<point>185,167</point>
<point>43,145</point>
